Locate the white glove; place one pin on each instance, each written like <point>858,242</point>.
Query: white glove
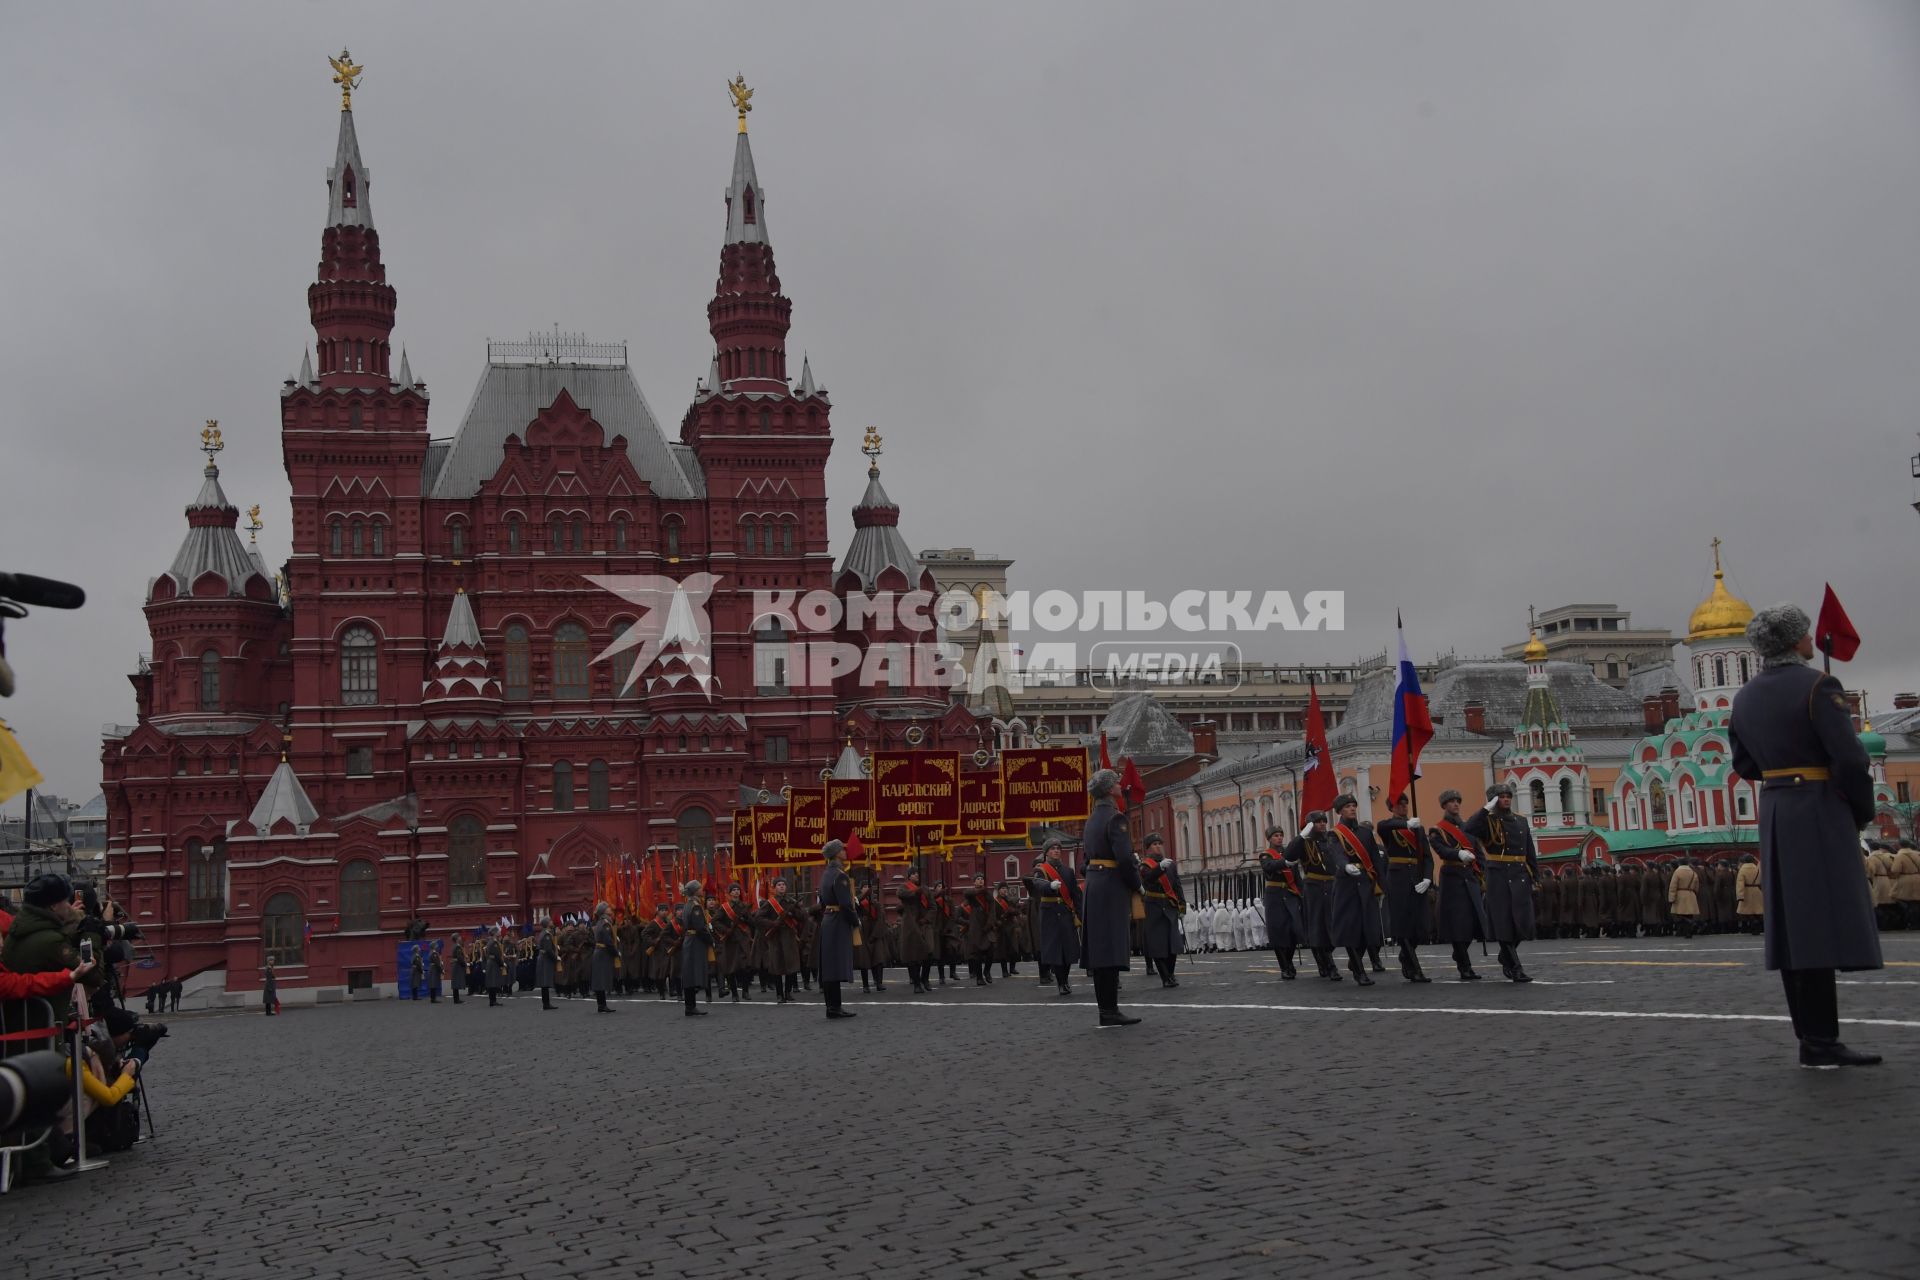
<point>1353,868</point>
<point>1166,864</point>
<point>1306,831</point>
<point>1466,856</point>
<point>1488,806</point>
<point>1056,886</point>
<point>1423,886</point>
<point>1413,822</point>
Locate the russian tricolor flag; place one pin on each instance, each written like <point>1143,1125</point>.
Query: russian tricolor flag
<point>1412,726</point>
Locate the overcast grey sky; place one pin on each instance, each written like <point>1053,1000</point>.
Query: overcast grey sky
<point>1455,307</point>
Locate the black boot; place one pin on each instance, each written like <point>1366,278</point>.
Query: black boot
<point>693,1008</point>
<point>1358,968</point>
<point>546,997</point>
<point>1464,963</point>
<point>1286,965</point>
<point>600,1001</point>
<point>1373,958</point>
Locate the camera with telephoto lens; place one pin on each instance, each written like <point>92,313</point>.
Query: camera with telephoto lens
<point>33,1088</point>
<point>145,1035</point>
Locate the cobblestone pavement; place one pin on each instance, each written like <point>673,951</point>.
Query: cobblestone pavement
<point>1635,1112</point>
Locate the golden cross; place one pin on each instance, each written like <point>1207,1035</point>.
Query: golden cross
<point>1716,557</point>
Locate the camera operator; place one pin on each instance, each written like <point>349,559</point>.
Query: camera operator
<point>112,935</point>
<point>27,986</point>
<point>45,938</point>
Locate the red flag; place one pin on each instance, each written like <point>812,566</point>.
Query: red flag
<point>1132,785</point>
<point>1318,786</point>
<point>855,850</point>
<point>1106,761</point>
<point>1834,635</point>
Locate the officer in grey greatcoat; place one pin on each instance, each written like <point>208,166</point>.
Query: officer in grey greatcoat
<point>1056,889</point>
<point>1113,878</point>
<point>1512,867</point>
<point>546,964</point>
<point>837,923</point>
<point>601,975</point>
<point>1792,733</point>
<point>696,945</point>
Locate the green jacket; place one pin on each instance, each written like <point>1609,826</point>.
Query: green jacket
<point>39,943</point>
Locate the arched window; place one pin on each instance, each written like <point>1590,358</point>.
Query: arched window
<point>570,661</point>
<point>620,662</point>
<point>353,415</point>
<point>579,542</point>
<point>1657,802</point>
<point>1719,671</point>
<point>696,831</point>
<point>457,539</point>
<point>359,898</point>
<point>1566,795</point>
<point>786,537</point>
<point>513,533</point>
<point>282,929</point>
<point>349,189</point>
<point>619,533</point>
<point>747,212</point>
<point>466,861</point>
<point>1743,668</point>
<point>766,419</point>
<point>359,538</point>
<point>1537,792</point>
<point>359,668</point>
<point>207,880</point>
<point>379,537</point>
<point>519,662</point>
<point>673,537</point>
<point>766,538</point>
<point>557,535</point>
<point>563,786</point>
<point>770,653</point>
<point>747,536</point>
<point>210,681</point>
<point>336,539</point>
<point>597,786</point>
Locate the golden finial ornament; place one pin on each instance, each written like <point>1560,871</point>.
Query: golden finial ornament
<point>253,524</point>
<point>210,442</point>
<point>1722,614</point>
<point>870,445</point>
<point>347,76</point>
<point>742,98</point>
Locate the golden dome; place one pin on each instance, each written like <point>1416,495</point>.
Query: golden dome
<point>1721,614</point>
<point>1536,650</point>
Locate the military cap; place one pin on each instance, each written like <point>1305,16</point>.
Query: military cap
<point>834,850</point>
<point>1776,629</point>
<point>1151,841</point>
<point>1277,831</point>
<point>1318,815</point>
<point>1500,789</point>
<point>1450,795</point>
<point>1102,783</point>
<point>1342,800</point>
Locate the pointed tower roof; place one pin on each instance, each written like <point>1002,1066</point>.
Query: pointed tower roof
<point>806,379</point>
<point>713,374</point>
<point>746,198</point>
<point>406,370</point>
<point>460,673</point>
<point>283,798</point>
<point>349,184</point>
<point>877,542</point>
<point>847,767</point>
<point>212,544</point>
<point>306,366</point>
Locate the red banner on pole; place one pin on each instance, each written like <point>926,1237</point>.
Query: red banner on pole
<point>916,788</point>
<point>982,816</point>
<point>1043,784</point>
<point>807,819</point>
<point>849,806</point>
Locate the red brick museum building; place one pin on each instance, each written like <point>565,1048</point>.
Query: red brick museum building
<point>425,721</point>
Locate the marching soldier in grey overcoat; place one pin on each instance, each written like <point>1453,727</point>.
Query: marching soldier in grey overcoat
<point>1792,733</point>
<point>1409,880</point>
<point>604,944</point>
<point>696,946</point>
<point>1280,899</point>
<point>1512,867</point>
<point>1057,891</point>
<point>1463,908</point>
<point>837,923</point>
<point>498,977</point>
<point>1358,886</point>
<point>1113,878</point>
<point>546,964</point>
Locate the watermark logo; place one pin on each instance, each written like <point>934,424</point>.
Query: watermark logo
<point>673,620</point>
<point>1116,665</point>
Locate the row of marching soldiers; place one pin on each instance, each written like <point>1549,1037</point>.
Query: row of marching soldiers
<point>1337,885</point>
<point>1680,897</point>
<point>770,946</point>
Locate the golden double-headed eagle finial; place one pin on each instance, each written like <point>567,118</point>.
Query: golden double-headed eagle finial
<point>210,442</point>
<point>253,523</point>
<point>347,76</point>
<point>742,98</point>
<point>870,445</point>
